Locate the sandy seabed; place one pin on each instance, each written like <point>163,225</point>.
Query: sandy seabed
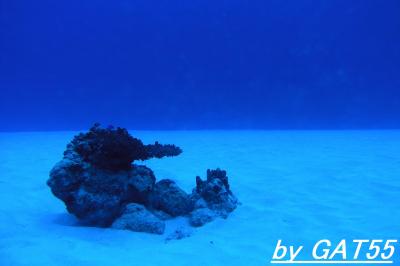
<point>297,186</point>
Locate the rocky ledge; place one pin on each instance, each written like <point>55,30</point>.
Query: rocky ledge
<point>99,183</point>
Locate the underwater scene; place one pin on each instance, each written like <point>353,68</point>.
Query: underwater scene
<point>199,133</point>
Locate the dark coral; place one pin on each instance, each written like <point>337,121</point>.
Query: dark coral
<point>115,149</point>
<point>157,150</point>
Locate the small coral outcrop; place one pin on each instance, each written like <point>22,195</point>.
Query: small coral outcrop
<point>100,184</point>
<point>212,198</point>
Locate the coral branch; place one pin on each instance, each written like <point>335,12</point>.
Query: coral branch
<point>158,150</point>
<point>115,149</point>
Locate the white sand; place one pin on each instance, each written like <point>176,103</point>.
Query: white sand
<point>298,186</point>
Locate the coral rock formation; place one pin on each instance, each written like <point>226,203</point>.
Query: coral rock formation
<point>212,198</point>
<point>100,185</point>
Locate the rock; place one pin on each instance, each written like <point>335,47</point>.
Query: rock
<point>66,177</point>
<point>215,191</point>
<point>95,209</point>
<point>161,215</point>
<point>179,233</point>
<point>97,196</point>
<point>140,183</point>
<point>168,197</point>
<point>136,218</point>
<point>214,194</point>
<point>200,203</point>
<point>199,217</point>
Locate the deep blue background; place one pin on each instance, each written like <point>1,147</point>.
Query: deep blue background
<point>199,64</point>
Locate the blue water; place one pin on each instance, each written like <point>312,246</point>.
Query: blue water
<point>213,77</point>
<point>291,64</point>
